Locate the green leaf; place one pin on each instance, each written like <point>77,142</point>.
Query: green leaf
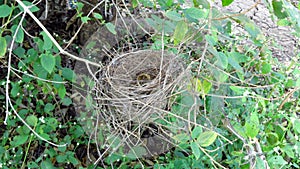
<point>277,160</point>
<point>272,138</point>
<point>222,60</point>
<point>47,165</point>
<point>134,3</point>
<point>207,138</point>
<point>235,64</point>
<point>20,33</point>
<point>3,46</point>
<point>296,125</point>
<point>251,130</point>
<point>173,15</point>
<point>33,8</point>
<point>47,41</point>
<point>5,11</point>
<point>202,3</point>
<point>196,13</point>
<point>97,16</point>
<point>195,150</point>
<point>32,120</point>
<point>62,92</point>
<point>226,2</point>
<point>61,158</point>
<point>251,126</point>
<point>49,107</point>
<point>180,32</point>
<point>68,74</point>
<point>48,62</point>
<point>111,28</point>
<point>279,10</point>
<point>237,89</point>
<point>266,68</point>
<point>181,138</point>
<point>19,140</point>
<point>85,19</point>
<point>206,86</point>
<point>196,132</point>
<point>66,101</point>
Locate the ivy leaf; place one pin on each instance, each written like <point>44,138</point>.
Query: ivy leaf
<point>196,132</point>
<point>207,138</point>
<point>3,46</point>
<point>226,2</point>
<point>48,62</point>
<point>206,86</point>
<point>5,11</point>
<point>180,32</point>
<point>251,126</point>
<point>111,28</point>
<point>68,74</point>
<point>195,150</point>
<point>85,19</point>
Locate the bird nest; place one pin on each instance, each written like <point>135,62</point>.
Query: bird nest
<point>135,91</point>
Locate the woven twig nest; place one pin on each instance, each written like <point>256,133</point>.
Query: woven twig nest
<point>138,84</point>
<point>134,92</point>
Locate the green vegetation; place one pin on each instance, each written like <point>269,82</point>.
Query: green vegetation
<point>241,106</point>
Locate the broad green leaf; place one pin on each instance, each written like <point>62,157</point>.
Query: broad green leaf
<point>47,41</point>
<point>195,150</point>
<point>85,19</point>
<point>66,101</point>
<point>97,16</point>
<point>235,64</point>
<point>173,15</point>
<point>19,34</point>
<point>32,120</point>
<point>68,74</point>
<point>251,126</point>
<point>222,60</point>
<point>47,165</point>
<point>180,32</point>
<point>237,89</point>
<point>134,3</point>
<point>277,160</point>
<point>279,10</point>
<point>201,3</point>
<point>296,125</point>
<point>49,107</point>
<point>5,11</point>
<point>207,138</point>
<point>3,46</point>
<point>111,28</point>
<point>62,92</point>
<point>19,140</point>
<point>266,68</point>
<point>196,13</point>
<point>251,129</point>
<point>181,138</point>
<point>272,138</point>
<point>196,132</point>
<point>206,86</point>
<point>226,2</point>
<point>48,62</point>
<point>61,158</point>
<point>33,8</point>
